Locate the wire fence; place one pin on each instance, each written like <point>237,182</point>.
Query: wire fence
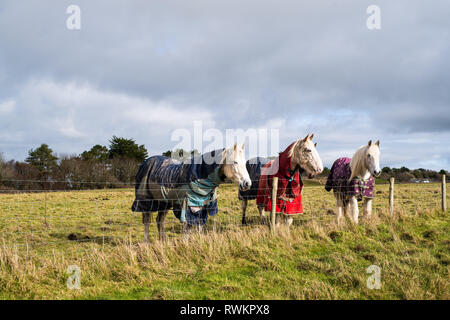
<point>49,218</point>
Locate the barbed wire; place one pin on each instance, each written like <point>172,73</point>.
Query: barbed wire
<point>59,218</point>
<point>227,181</point>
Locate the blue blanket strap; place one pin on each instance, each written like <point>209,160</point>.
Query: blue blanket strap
<point>201,192</point>
<point>183,210</point>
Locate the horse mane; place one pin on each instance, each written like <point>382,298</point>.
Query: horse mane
<point>357,164</point>
<point>292,149</point>
<point>230,150</point>
<point>224,156</point>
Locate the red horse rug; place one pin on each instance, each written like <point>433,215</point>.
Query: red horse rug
<point>290,185</point>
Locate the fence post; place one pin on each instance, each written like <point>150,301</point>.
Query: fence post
<point>45,207</point>
<point>274,204</point>
<point>391,195</point>
<point>444,193</point>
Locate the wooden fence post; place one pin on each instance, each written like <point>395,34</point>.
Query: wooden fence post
<point>391,195</point>
<point>444,193</point>
<point>274,204</point>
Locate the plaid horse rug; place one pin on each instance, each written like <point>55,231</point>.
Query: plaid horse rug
<point>338,181</point>
<point>189,189</point>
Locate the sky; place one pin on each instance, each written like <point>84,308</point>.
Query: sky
<point>145,69</point>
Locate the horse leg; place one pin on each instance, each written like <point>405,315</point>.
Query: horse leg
<point>278,219</point>
<point>262,214</point>
<point>160,221</point>
<point>244,208</point>
<point>348,208</point>
<point>189,228</point>
<point>340,209</point>
<point>146,219</point>
<point>186,229</point>
<point>367,207</point>
<point>287,220</point>
<point>354,209</point>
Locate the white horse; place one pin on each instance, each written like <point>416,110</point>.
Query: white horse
<point>167,192</point>
<point>303,154</point>
<point>358,173</point>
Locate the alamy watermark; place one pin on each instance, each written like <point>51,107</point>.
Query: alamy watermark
<point>73,22</point>
<point>373,22</point>
<point>374,281</point>
<point>260,141</point>
<point>74,280</point>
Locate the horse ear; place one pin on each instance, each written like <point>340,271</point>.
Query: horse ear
<point>311,137</point>
<point>306,138</point>
<point>243,146</point>
<point>235,146</point>
<point>370,143</point>
<point>315,144</point>
<point>378,143</point>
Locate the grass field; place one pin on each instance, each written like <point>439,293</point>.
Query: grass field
<point>42,234</point>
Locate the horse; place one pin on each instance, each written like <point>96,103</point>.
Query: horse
<point>353,180</point>
<point>300,156</point>
<point>188,188</point>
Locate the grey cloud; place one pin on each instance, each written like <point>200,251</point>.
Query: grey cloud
<point>313,64</point>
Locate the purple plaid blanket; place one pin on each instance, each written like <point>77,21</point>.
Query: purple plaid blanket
<point>338,177</point>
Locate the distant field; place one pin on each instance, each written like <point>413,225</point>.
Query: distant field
<point>42,234</point>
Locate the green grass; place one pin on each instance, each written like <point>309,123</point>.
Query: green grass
<point>314,259</point>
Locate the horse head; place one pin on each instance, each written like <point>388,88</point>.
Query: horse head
<point>234,167</point>
<point>305,155</point>
<point>372,158</point>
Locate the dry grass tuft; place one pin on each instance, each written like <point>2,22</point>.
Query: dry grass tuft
<point>314,259</point>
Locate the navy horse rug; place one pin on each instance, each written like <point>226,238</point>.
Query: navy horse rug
<point>189,189</point>
<point>338,181</point>
<point>254,167</point>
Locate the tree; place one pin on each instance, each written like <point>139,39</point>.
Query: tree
<point>42,159</point>
<point>127,148</point>
<point>124,170</point>
<point>27,176</point>
<point>386,170</point>
<point>5,170</point>
<point>2,166</point>
<point>76,173</point>
<point>404,177</point>
<point>325,172</point>
<point>168,153</point>
<point>8,174</point>
<point>181,154</point>
<point>417,173</point>
<point>97,152</point>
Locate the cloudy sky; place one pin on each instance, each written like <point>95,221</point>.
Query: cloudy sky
<point>142,69</point>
